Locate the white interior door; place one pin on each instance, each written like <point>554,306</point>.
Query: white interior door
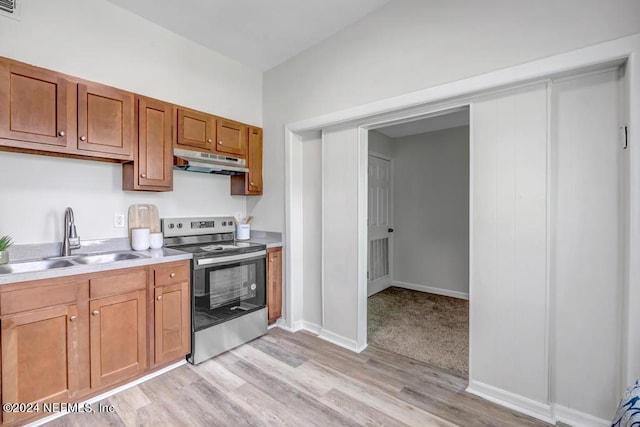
<point>380,224</point>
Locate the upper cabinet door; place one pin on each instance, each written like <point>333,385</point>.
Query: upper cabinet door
<point>155,148</point>
<point>34,106</point>
<point>105,120</point>
<point>254,159</point>
<point>232,137</point>
<point>195,130</point>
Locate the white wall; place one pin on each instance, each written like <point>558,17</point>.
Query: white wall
<point>340,234</point>
<point>512,213</point>
<point>508,299</point>
<point>312,238</point>
<point>95,40</point>
<point>410,45</point>
<point>431,211</point>
<point>39,188</point>
<point>588,238</point>
<point>380,144</point>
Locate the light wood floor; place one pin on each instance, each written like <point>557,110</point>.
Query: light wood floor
<point>300,380</point>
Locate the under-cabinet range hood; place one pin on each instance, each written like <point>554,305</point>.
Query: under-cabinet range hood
<point>196,161</point>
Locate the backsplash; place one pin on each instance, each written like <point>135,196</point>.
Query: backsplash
<point>37,189</point>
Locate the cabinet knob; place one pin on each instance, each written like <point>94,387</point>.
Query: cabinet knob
<point>83,138</point>
<point>172,275</point>
<point>252,183</point>
<point>159,298</point>
<point>270,259</point>
<point>73,318</point>
<point>61,133</point>
<point>143,175</point>
<point>95,312</point>
<point>220,142</point>
<point>209,140</point>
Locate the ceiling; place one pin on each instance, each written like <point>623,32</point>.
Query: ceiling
<point>258,33</point>
<point>429,124</point>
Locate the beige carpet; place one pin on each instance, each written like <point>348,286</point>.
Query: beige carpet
<point>427,327</point>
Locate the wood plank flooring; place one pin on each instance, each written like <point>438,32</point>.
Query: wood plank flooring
<point>297,379</point>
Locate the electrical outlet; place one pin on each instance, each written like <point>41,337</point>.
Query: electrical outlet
<point>118,220</point>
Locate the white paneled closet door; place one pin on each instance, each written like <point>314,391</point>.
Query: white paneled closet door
<point>508,291</point>
<point>380,224</point>
<point>588,205</point>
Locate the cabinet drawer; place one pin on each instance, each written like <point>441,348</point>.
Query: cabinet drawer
<point>172,273</point>
<point>117,283</point>
<point>37,297</point>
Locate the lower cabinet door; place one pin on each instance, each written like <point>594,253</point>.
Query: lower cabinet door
<point>39,358</point>
<point>274,284</point>
<point>118,338</point>
<point>172,323</point>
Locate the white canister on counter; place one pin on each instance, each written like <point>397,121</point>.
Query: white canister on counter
<point>155,240</point>
<point>243,231</point>
<point>140,239</point>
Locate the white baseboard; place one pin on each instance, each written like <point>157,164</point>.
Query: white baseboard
<point>377,286</point>
<point>109,393</point>
<point>280,323</point>
<point>431,290</point>
<point>577,418</point>
<point>295,327</point>
<point>311,327</point>
<point>340,341</point>
<point>513,401</point>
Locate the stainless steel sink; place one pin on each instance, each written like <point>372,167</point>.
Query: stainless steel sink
<point>68,261</point>
<point>31,266</point>
<point>106,258</point>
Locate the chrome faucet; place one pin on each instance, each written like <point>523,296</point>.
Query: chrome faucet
<point>71,239</point>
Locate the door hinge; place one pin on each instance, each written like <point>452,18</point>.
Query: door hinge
<point>625,136</point>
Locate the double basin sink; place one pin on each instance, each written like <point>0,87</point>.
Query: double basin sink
<point>70,261</point>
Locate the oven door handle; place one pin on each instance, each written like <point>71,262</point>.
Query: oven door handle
<point>231,258</point>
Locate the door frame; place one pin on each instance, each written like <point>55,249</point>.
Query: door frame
<point>414,105</point>
<point>391,217</point>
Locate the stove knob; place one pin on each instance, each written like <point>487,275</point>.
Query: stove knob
<point>224,223</point>
<point>179,225</point>
<point>171,226</point>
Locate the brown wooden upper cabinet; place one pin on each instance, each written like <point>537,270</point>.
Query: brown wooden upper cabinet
<point>152,167</point>
<point>250,184</point>
<point>105,119</point>
<point>196,130</point>
<point>43,110</point>
<point>231,137</point>
<point>35,109</point>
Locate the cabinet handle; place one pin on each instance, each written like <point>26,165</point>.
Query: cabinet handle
<point>172,275</point>
<point>159,298</point>
<point>73,318</point>
<point>83,138</point>
<point>143,175</point>
<point>61,133</point>
<point>209,141</point>
<point>95,312</point>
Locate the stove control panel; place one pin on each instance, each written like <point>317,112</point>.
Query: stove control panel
<point>174,227</point>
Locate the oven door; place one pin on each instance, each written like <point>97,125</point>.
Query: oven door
<point>228,287</point>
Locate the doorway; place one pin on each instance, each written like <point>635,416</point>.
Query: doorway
<point>418,251</point>
<point>515,315</point>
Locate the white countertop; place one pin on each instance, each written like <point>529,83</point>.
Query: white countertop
<point>150,256</point>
